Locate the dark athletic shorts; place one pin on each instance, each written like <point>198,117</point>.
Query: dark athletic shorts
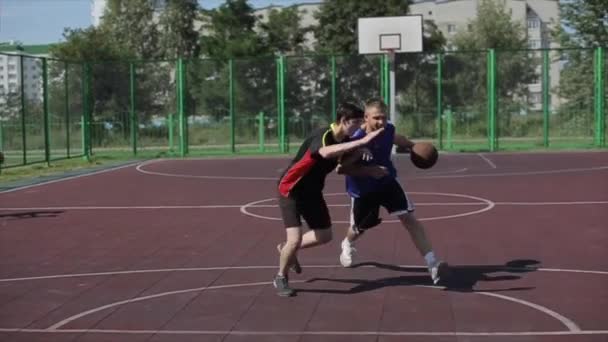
<point>311,207</point>
<point>365,210</point>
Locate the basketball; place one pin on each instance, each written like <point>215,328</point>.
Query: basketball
<point>424,155</point>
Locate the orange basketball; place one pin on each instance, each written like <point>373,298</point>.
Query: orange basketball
<point>424,155</point>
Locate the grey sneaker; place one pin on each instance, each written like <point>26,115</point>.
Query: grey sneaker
<point>282,286</point>
<point>439,272</point>
<point>295,265</point>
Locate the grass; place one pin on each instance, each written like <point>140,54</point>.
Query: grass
<point>57,167</point>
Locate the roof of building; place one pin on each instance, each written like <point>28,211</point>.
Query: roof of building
<point>26,49</point>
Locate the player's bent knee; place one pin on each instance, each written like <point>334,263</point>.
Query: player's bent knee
<point>324,235</point>
<point>409,221</point>
<point>293,243</point>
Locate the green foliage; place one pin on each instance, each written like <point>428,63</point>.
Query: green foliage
<point>230,30</point>
<point>281,32</point>
<point>584,24</point>
<point>465,86</point>
<point>130,24</point>
<point>178,37</point>
<point>337,28</point>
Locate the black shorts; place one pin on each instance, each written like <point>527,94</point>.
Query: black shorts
<point>365,210</point>
<point>311,207</point>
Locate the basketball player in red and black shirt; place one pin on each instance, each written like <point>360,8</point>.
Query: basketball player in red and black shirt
<point>301,187</point>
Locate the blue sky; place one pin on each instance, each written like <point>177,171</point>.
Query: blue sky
<point>43,21</point>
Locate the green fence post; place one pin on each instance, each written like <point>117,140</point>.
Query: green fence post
<point>546,85</point>
<point>283,143</point>
<point>23,132</point>
<point>180,108</point>
<point>66,97</point>
<point>86,111</point>
<point>278,92</point>
<point>386,72</point>
<point>45,105</point>
<point>491,86</point>
<point>439,100</point>
<point>600,140</point>
<point>333,88</point>
<point>132,114</point>
<point>170,128</point>
<point>448,119</point>
<point>231,105</point>
<point>381,73</point>
<point>285,119</point>
<point>261,131</point>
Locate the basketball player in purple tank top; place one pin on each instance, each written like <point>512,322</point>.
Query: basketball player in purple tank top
<point>368,194</point>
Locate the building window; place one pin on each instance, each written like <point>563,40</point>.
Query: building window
<point>451,28</point>
<point>533,23</point>
<point>545,44</point>
<point>535,98</point>
<point>534,44</point>
<point>11,68</point>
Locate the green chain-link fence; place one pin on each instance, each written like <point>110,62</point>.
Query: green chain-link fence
<point>462,101</point>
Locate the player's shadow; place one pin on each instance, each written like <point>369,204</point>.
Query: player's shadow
<point>462,278</point>
<point>31,214</point>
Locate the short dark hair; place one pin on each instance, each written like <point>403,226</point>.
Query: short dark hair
<point>378,103</point>
<point>349,111</point>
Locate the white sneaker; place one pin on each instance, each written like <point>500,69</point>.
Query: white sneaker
<point>346,257</point>
<point>439,272</point>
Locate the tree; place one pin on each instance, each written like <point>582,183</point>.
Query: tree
<point>337,28</point>
<point>359,76</point>
<point>108,79</point>
<point>132,27</point>
<point>281,33</point>
<point>466,70</point>
<point>230,30</point>
<point>178,37</point>
<point>584,25</point>
<point>232,35</point>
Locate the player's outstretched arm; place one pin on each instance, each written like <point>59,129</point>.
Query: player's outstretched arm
<point>335,151</point>
<point>375,171</point>
<point>403,144</point>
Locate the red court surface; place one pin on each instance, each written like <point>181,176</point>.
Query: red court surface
<point>185,250</point>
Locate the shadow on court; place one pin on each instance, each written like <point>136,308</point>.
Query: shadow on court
<point>31,214</point>
<point>461,278</point>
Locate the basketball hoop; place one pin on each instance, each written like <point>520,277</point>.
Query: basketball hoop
<point>391,54</point>
<point>390,35</point>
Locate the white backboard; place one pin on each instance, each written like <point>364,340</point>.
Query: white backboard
<point>381,34</point>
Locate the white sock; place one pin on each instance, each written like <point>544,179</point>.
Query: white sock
<point>346,242</point>
<point>430,258</point>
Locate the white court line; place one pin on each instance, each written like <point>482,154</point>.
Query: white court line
<point>231,206</point>
<point>227,206</point>
<point>487,160</point>
<point>428,175</point>
<point>162,294</point>
<point>67,178</point>
<point>488,206</point>
<point>567,322</point>
<point>307,332</point>
<point>523,173</point>
<point>223,268</point>
<point>552,203</point>
<point>140,169</point>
